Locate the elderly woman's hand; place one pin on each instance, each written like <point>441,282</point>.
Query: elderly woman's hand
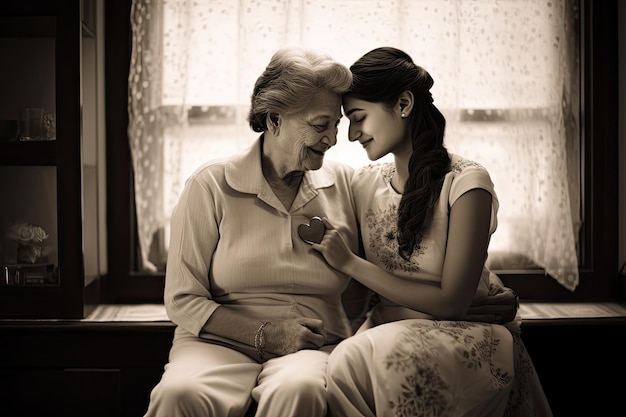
<point>289,336</point>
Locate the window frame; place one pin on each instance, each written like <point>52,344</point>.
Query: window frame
<point>599,275</point>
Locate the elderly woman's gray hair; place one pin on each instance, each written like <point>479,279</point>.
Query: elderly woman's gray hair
<point>291,81</point>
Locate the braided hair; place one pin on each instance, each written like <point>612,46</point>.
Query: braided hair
<point>380,76</point>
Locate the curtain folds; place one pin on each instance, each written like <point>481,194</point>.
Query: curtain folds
<point>506,77</point>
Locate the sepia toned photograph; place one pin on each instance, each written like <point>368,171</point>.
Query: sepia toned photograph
<point>312,208</point>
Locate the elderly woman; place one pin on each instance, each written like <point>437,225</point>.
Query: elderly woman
<point>257,310</point>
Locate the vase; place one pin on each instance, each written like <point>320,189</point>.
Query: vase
<point>30,254</point>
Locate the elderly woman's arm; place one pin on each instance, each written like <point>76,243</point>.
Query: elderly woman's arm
<point>279,337</point>
<point>188,298</point>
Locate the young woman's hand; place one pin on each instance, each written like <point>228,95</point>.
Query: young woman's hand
<point>334,248</point>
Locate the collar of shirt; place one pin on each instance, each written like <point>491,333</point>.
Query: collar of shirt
<point>244,174</point>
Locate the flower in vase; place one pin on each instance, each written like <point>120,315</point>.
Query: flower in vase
<point>29,238</point>
<point>27,234</point>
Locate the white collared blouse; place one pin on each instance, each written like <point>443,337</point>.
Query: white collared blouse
<point>234,243</point>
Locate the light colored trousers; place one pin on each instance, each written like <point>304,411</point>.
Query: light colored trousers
<point>203,379</point>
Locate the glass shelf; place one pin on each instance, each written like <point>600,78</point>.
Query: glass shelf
<point>52,55</point>
<point>28,275</point>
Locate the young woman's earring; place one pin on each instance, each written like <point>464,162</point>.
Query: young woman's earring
<point>403,115</point>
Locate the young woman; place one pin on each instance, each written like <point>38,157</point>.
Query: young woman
<point>426,220</point>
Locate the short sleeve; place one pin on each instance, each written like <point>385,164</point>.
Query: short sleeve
<point>469,175</point>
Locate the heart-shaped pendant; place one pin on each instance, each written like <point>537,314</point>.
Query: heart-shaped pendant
<point>313,232</point>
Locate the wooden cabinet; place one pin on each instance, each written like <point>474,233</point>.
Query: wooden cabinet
<point>62,392</point>
<point>79,368</point>
<point>52,166</point>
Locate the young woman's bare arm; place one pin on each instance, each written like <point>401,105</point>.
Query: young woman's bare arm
<point>466,252</point>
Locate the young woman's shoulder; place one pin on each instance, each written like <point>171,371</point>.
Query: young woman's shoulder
<point>465,168</point>
<point>460,164</point>
<point>466,174</point>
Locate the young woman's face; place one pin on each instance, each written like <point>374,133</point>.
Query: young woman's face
<point>304,138</point>
<point>378,129</point>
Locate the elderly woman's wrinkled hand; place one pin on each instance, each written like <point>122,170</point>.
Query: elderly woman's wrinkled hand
<point>289,336</point>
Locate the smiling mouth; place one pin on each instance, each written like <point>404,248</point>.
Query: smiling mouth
<point>366,144</point>
<point>320,153</point>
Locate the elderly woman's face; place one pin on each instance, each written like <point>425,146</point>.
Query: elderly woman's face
<point>304,138</point>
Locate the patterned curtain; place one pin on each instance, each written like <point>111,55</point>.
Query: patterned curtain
<point>506,77</point>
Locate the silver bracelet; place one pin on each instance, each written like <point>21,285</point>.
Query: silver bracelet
<point>259,339</point>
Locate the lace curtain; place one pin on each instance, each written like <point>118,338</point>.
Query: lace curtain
<point>506,77</point>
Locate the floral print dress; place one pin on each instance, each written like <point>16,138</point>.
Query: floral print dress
<point>404,362</point>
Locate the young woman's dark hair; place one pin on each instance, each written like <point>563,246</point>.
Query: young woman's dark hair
<point>380,76</point>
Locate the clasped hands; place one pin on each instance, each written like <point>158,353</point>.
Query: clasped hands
<point>291,335</point>
<point>500,305</point>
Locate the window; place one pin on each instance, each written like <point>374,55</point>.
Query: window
<point>597,240</point>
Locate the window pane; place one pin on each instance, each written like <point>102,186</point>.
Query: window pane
<point>505,75</point>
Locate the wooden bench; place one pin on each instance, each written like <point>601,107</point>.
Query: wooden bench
<point>107,364</point>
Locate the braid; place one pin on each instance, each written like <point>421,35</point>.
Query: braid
<point>381,76</point>
<point>427,168</point>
